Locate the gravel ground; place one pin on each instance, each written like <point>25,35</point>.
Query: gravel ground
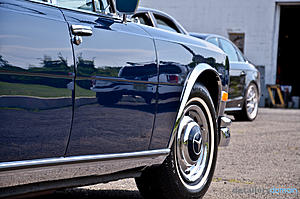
<point>262,155</point>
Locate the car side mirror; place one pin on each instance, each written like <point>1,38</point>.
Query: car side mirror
<point>126,7</point>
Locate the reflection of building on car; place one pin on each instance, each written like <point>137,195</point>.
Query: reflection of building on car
<point>111,92</point>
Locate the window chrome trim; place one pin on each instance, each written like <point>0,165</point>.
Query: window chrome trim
<point>77,159</point>
<point>99,14</point>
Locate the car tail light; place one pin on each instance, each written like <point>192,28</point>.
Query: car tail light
<point>173,78</point>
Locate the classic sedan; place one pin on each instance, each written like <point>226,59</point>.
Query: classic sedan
<point>87,96</point>
<point>244,88</point>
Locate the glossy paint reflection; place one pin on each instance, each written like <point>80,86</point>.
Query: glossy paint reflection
<point>116,85</point>
<point>35,73</point>
<point>176,62</point>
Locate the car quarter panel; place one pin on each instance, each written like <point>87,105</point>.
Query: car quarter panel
<point>35,71</point>
<point>116,84</point>
<point>178,57</point>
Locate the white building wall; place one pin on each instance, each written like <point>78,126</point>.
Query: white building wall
<point>258,19</point>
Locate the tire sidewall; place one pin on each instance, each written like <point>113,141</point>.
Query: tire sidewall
<point>185,192</point>
<point>245,102</point>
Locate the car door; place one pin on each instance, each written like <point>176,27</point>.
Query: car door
<point>116,82</point>
<point>36,72</point>
<point>237,75</point>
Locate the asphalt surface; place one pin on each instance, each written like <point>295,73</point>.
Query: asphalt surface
<point>263,155</point>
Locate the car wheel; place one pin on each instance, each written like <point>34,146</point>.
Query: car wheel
<point>188,170</point>
<point>250,107</point>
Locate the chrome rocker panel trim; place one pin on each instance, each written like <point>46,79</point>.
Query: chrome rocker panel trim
<point>42,170</point>
<point>188,86</point>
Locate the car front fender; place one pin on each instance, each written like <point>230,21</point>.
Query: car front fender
<point>190,81</point>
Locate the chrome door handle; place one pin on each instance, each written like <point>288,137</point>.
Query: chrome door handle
<point>80,30</point>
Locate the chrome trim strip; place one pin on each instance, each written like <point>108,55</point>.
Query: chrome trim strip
<point>232,109</point>
<point>234,99</point>
<point>50,170</point>
<point>152,19</point>
<point>107,15</point>
<point>76,159</point>
<point>188,86</point>
<point>81,30</point>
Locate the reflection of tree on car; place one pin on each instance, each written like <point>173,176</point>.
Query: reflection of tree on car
<point>59,67</point>
<point>108,92</point>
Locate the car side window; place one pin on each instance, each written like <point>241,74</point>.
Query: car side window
<point>241,57</point>
<point>166,24</point>
<point>213,40</point>
<point>100,5</point>
<point>229,50</point>
<point>143,19</point>
<point>48,1</point>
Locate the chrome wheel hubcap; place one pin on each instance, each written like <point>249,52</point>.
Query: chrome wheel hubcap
<point>192,146</point>
<point>252,102</point>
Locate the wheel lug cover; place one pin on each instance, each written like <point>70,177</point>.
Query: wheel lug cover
<point>195,143</point>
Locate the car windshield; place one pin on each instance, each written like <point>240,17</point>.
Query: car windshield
<point>101,5</point>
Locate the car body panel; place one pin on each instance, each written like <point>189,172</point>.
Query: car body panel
<point>112,55</point>
<point>35,71</point>
<point>151,71</point>
<point>185,59</point>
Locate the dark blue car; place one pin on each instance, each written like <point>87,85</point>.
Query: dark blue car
<point>87,96</point>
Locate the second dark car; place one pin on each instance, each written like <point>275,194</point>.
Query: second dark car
<point>244,88</point>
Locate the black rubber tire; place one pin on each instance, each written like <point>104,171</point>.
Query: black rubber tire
<point>243,115</point>
<point>163,181</point>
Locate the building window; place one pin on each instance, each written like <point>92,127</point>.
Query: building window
<point>238,39</point>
